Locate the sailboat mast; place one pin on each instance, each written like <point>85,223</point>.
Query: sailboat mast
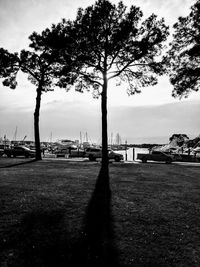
<point>86,137</point>
<point>15,134</point>
<point>80,138</point>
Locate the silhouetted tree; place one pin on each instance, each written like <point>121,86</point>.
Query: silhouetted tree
<point>114,43</point>
<point>40,68</point>
<point>184,54</point>
<point>8,67</point>
<point>43,67</point>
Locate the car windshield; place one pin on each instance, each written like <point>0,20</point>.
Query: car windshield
<point>22,147</point>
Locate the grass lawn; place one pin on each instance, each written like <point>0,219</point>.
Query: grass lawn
<point>155,212</point>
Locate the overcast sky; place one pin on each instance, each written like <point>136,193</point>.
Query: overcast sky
<point>151,116</point>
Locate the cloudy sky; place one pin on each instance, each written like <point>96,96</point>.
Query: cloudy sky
<point>151,116</point>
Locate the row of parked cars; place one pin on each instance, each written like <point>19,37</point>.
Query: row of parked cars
<point>91,153</point>
<point>17,151</point>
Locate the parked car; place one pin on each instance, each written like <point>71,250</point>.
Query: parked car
<point>1,150</point>
<point>77,153</point>
<point>156,156</point>
<point>62,152</point>
<point>19,151</point>
<point>94,153</point>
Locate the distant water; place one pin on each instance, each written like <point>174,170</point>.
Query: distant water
<point>136,150</point>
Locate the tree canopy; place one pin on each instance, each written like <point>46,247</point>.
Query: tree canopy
<point>184,54</point>
<point>114,43</point>
<point>8,67</point>
<point>42,64</point>
<point>60,44</point>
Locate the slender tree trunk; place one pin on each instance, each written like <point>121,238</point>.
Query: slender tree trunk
<point>36,123</point>
<point>104,165</point>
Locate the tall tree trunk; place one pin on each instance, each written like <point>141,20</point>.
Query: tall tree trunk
<point>104,165</point>
<point>36,123</point>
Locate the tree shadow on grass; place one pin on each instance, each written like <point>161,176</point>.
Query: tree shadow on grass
<point>97,245</point>
<point>42,237</point>
<point>40,240</point>
<point>19,163</point>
